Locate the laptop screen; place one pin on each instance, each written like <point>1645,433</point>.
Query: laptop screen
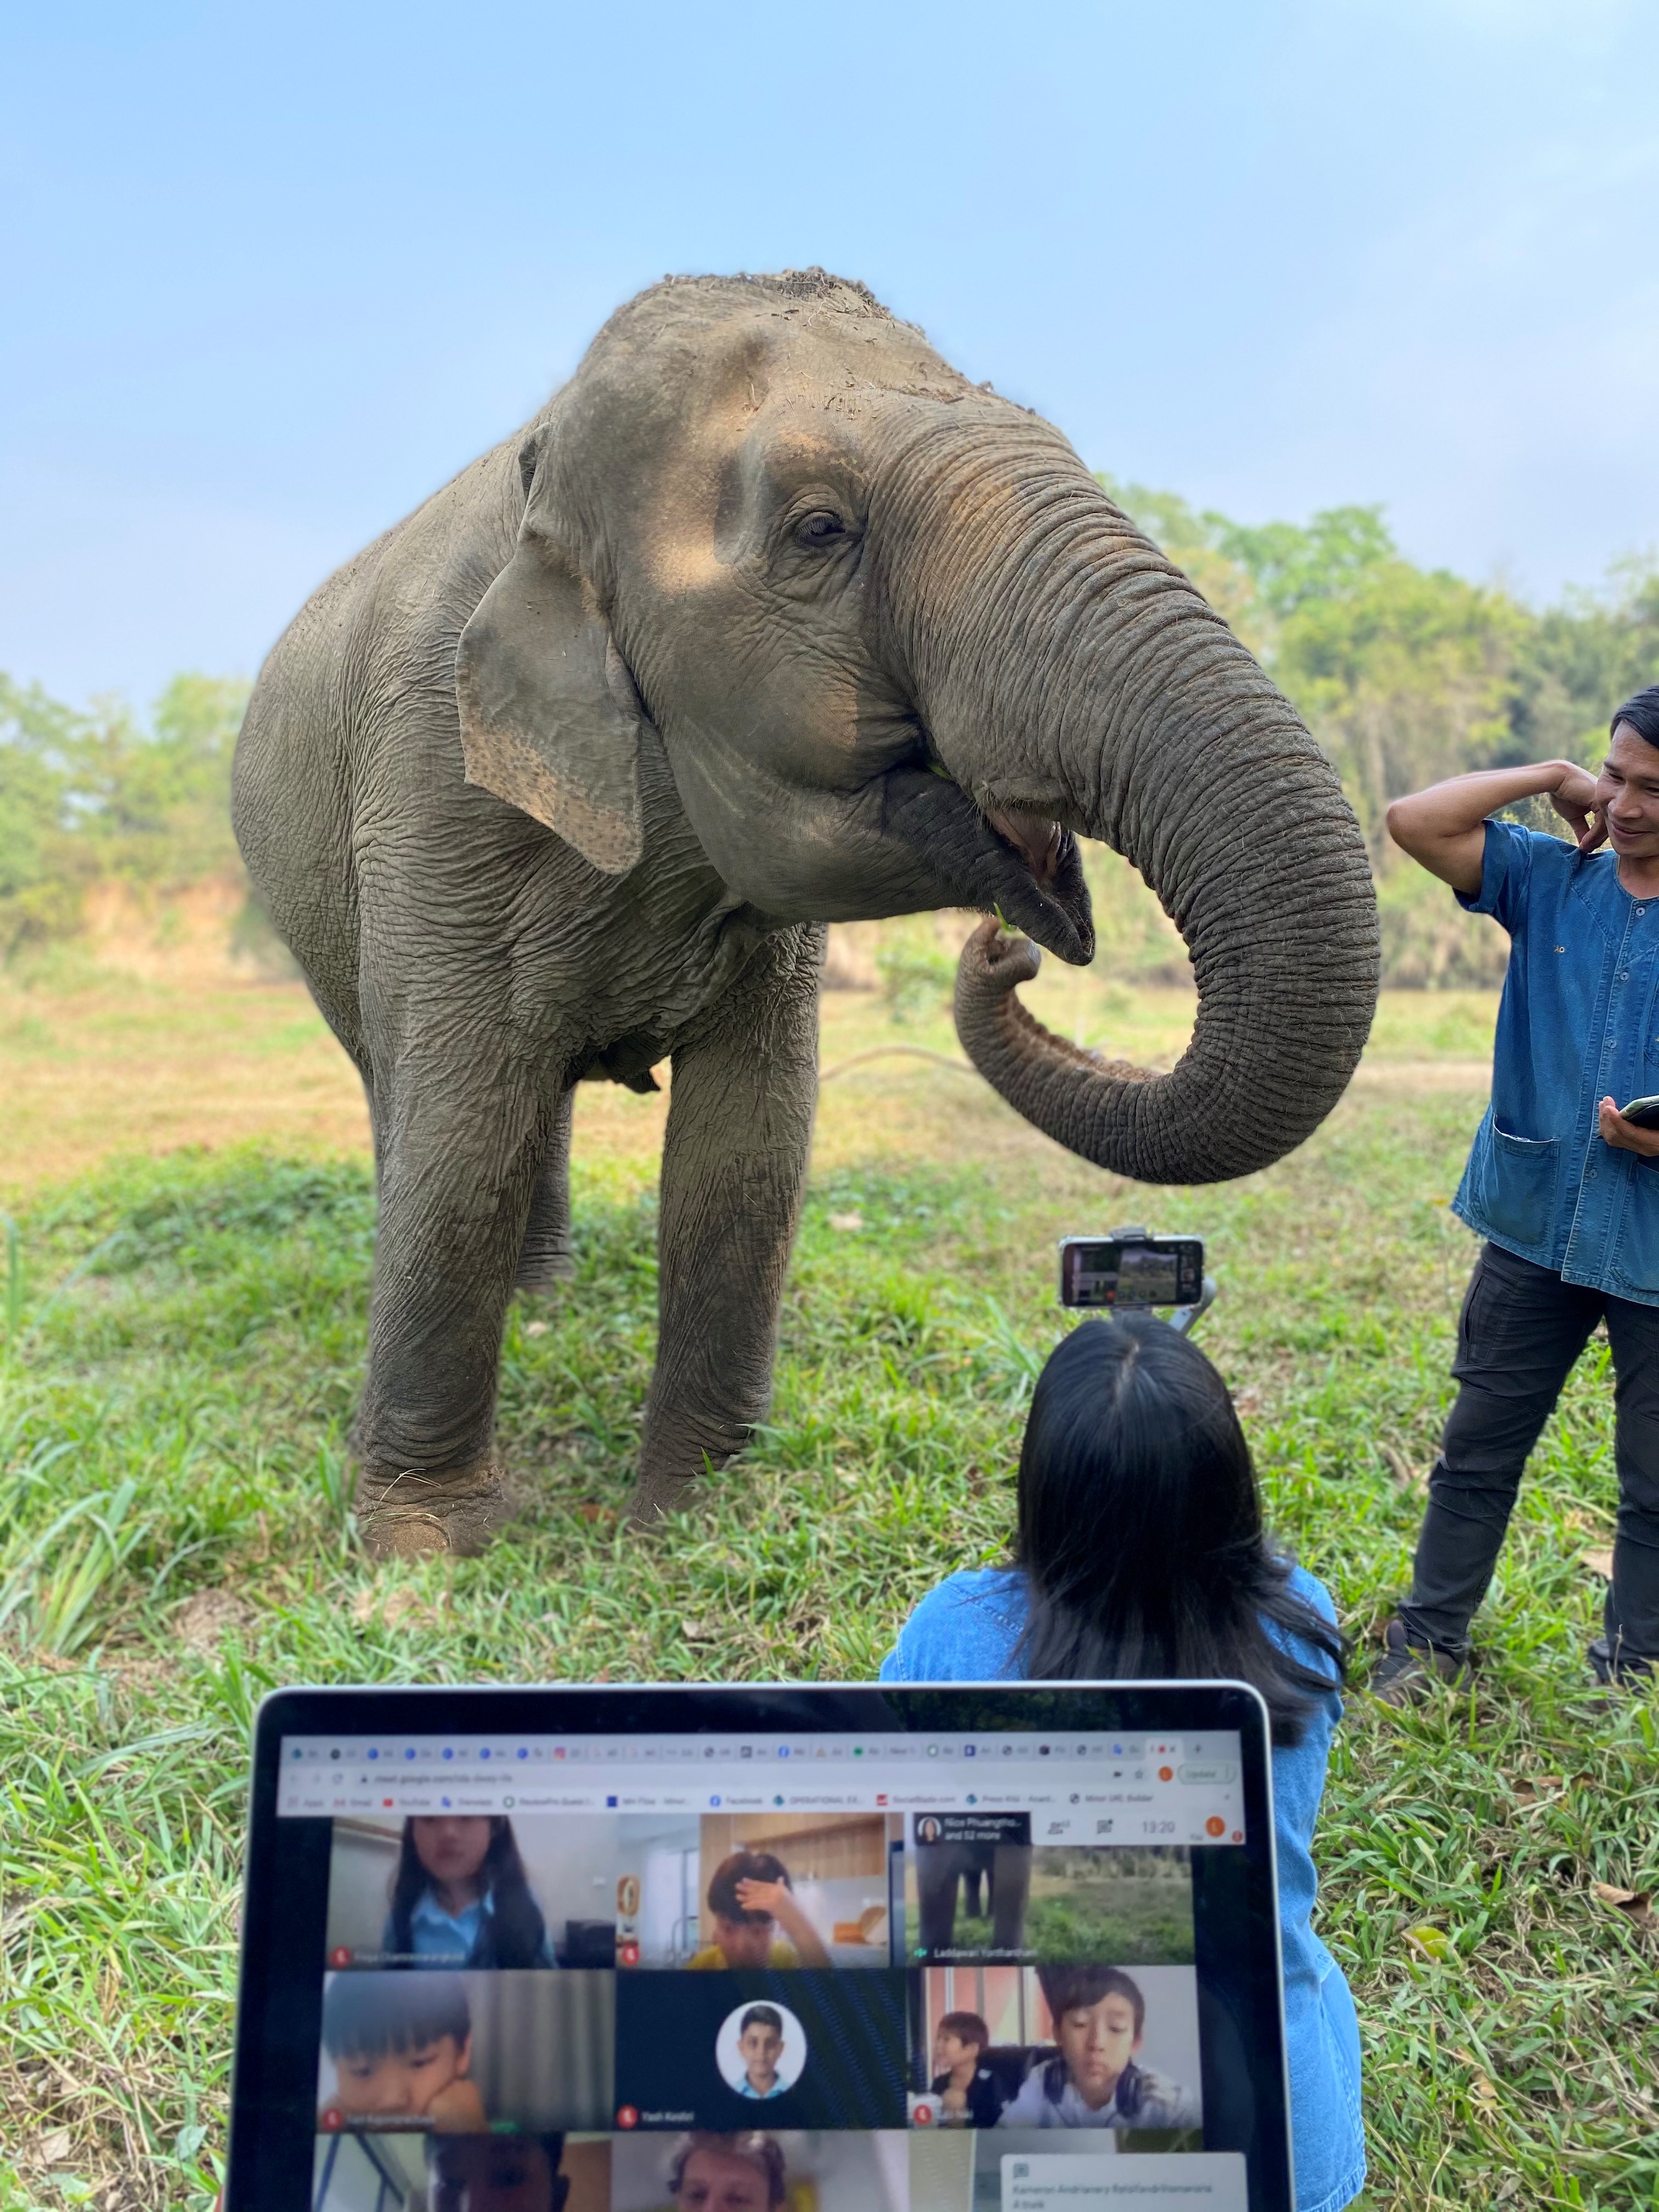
<point>766,1971</point>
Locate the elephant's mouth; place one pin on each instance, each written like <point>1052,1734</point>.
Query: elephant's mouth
<point>1010,862</point>
<point>1038,841</point>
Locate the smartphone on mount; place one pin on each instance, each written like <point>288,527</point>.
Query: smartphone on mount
<point>1131,1267</point>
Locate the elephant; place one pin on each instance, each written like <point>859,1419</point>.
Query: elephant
<point>769,618</point>
<point>946,1870</point>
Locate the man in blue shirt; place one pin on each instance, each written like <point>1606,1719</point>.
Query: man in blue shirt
<point>1563,1186</point>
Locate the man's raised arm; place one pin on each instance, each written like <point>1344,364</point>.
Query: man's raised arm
<point>1443,828</point>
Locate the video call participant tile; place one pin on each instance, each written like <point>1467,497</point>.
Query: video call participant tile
<point>979,1890</point>
<point>464,2053</point>
<point>775,1890</point>
<point>967,1882</point>
<point>548,2172</point>
<point>760,2170</point>
<point>1071,2047</point>
<point>459,1889</point>
<point>737,2051</point>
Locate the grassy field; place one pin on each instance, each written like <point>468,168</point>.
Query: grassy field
<point>183,1335</point>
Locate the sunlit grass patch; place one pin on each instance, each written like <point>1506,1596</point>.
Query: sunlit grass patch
<point>183,1343</point>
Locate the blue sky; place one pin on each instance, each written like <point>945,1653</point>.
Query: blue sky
<point>273,273</point>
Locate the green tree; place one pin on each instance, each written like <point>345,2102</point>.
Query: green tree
<point>1403,675</point>
<point>85,796</point>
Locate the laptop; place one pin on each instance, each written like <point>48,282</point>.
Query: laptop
<point>1004,1949</point>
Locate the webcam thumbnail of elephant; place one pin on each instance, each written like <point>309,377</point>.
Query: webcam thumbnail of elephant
<point>473,1889</point>
<point>552,2172</point>
<point>732,1892</point>
<point>977,1887</point>
<point>460,2053</point>
<point>796,2171</point>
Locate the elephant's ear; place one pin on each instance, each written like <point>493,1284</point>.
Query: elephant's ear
<point>550,718</point>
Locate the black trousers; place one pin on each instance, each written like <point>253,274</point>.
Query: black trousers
<point>1520,1330</point>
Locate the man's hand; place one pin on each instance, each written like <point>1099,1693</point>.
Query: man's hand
<point>1574,801</point>
<point>1624,1136</point>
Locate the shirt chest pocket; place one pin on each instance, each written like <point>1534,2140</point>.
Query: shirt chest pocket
<point>1520,1177</point>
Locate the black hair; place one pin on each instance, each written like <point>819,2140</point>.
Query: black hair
<point>1641,711</point>
<point>1140,1535</point>
<point>513,1933</point>
<point>551,2142</point>
<point>367,2014</point>
<point>742,1866</point>
<point>758,2151</point>
<point>760,2016</point>
<point>966,2026</point>
<point>551,2145</point>
<point>1066,1988</point>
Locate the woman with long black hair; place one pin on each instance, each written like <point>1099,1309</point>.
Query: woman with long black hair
<point>1139,1554</point>
<point>459,1897</point>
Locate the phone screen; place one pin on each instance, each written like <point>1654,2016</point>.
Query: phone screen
<point>1163,1271</point>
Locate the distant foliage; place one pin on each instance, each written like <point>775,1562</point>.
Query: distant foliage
<point>94,796</point>
<point>917,974</point>
<point>1406,674</point>
<point>1403,674</point>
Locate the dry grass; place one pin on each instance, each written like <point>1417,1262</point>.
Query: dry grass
<point>102,1064</point>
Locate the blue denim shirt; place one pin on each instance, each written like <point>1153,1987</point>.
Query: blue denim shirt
<point>1579,1021</point>
<point>966,1630</point>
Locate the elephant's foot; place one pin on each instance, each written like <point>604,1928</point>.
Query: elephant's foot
<point>655,1495</point>
<point>658,1491</point>
<point>403,1514</point>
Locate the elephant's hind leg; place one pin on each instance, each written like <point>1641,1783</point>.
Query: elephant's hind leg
<point>544,1257</point>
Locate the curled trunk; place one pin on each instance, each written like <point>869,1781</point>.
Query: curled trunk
<point>1082,677</point>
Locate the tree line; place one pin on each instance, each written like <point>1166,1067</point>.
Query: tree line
<point>1403,674</point>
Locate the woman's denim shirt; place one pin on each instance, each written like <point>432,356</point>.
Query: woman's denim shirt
<point>966,1630</point>
<point>1579,1021</point>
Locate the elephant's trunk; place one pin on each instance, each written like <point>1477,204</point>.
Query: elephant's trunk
<point>1078,676</point>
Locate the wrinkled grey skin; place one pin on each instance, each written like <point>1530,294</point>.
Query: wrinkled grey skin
<point>768,619</point>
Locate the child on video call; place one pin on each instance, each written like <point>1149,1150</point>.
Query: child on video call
<point>459,1897</point>
<point>1094,2079</point>
<point>1139,1554</point>
<point>496,2173</point>
<point>760,2045</point>
<point>402,2048</point>
<point>750,1899</point>
<point>967,2092</point>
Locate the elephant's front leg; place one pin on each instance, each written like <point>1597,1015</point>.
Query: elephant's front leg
<point>459,1155</point>
<point>734,1164</point>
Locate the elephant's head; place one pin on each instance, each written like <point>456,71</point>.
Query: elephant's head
<point>899,648</point>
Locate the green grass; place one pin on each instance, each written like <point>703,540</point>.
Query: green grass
<point>183,1339</point>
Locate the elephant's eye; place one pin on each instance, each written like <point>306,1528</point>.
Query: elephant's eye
<point>822,527</point>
